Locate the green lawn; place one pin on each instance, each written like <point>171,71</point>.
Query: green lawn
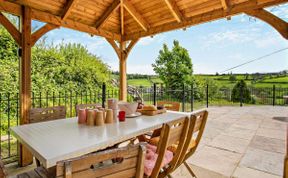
<point>140,82</point>
<point>275,80</point>
<point>222,81</point>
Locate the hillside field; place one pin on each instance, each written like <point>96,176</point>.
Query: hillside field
<point>223,80</point>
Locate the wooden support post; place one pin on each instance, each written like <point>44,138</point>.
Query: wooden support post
<point>122,52</point>
<point>123,72</point>
<point>26,157</point>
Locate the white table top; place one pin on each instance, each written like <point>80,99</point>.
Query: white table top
<point>62,139</point>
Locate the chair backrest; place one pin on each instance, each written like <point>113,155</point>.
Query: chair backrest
<point>47,114</point>
<point>169,105</point>
<point>172,133</point>
<point>87,106</point>
<point>197,125</point>
<point>129,163</point>
<point>2,170</point>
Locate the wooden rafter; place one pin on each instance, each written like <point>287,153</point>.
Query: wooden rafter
<point>40,32</point>
<point>135,14</point>
<point>11,28</point>
<point>122,18</point>
<point>171,4</point>
<point>114,46</point>
<point>130,46</point>
<point>56,20</point>
<point>225,5</point>
<point>202,18</point>
<point>67,8</point>
<point>108,12</point>
<point>280,25</point>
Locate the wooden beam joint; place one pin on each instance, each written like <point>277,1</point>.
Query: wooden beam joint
<point>136,15</point>
<point>67,8</point>
<point>40,32</point>
<point>171,4</point>
<point>14,32</point>
<point>107,13</point>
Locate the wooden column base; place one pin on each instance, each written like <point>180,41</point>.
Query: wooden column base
<point>25,157</point>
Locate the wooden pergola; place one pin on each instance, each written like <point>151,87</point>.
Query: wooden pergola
<point>121,22</point>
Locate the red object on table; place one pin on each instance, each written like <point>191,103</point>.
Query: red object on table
<point>121,116</point>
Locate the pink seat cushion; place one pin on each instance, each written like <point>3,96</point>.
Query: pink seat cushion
<point>151,158</point>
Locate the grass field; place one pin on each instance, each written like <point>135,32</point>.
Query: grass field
<point>267,82</point>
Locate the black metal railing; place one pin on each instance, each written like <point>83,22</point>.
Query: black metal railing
<point>190,97</point>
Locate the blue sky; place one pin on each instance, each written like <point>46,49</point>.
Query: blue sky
<point>213,46</point>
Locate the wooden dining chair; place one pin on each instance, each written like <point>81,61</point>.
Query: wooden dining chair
<point>47,114</point>
<point>39,172</point>
<point>87,106</point>
<point>172,133</point>
<point>130,163</point>
<point>197,125</point>
<point>169,105</point>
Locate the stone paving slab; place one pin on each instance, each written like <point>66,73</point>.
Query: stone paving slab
<point>229,143</point>
<point>215,160</point>
<point>268,144</point>
<point>244,172</point>
<point>269,162</point>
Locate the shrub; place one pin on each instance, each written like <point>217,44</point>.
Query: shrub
<point>236,92</point>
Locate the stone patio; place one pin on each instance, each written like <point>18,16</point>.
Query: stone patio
<point>239,143</point>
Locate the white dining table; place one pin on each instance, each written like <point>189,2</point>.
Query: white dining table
<point>57,140</point>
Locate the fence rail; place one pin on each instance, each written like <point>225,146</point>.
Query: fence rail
<point>190,98</point>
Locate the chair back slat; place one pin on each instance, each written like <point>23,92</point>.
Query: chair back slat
<point>47,114</point>
<point>169,105</point>
<point>130,161</point>
<point>174,132</point>
<point>197,125</point>
<point>87,106</point>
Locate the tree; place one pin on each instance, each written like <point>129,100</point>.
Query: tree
<point>174,66</point>
<point>236,92</point>
<point>232,78</point>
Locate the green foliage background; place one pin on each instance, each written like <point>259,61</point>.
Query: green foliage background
<point>54,67</point>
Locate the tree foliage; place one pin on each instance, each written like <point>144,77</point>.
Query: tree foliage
<point>54,67</point>
<point>174,66</point>
<point>236,92</point>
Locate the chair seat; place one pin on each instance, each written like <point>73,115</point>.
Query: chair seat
<point>173,147</point>
<point>151,158</point>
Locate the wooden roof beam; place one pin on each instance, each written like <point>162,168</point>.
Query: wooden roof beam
<point>14,32</point>
<point>171,4</point>
<point>107,13</point>
<point>122,18</point>
<point>40,32</point>
<point>225,5</point>
<point>203,18</point>
<point>15,9</point>
<point>135,14</point>
<point>280,25</point>
<point>67,8</point>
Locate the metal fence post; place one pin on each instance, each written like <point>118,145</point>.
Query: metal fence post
<point>103,95</point>
<point>154,93</point>
<point>207,96</point>
<point>274,88</point>
<point>183,98</point>
<point>192,97</point>
<point>241,96</point>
